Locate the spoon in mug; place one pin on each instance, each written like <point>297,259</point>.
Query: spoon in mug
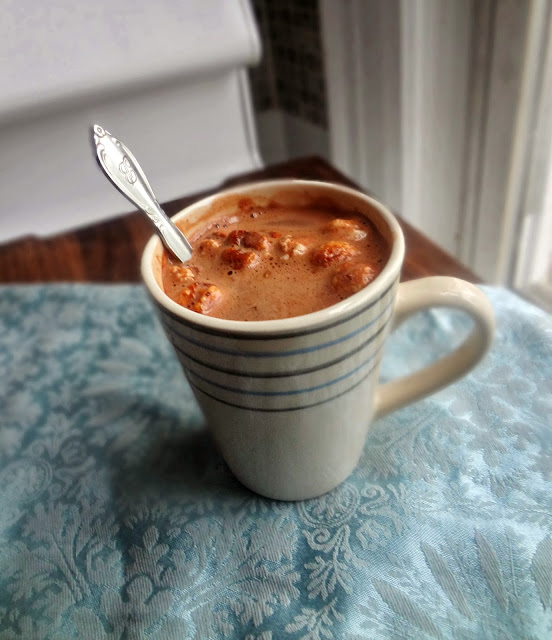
<point>122,168</point>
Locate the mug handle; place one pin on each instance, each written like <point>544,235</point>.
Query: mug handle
<point>438,291</point>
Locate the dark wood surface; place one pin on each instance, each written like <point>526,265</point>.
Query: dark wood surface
<point>110,251</point>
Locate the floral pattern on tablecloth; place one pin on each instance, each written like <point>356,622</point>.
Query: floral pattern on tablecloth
<point>118,519</point>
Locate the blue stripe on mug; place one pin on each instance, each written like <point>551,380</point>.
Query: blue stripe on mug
<point>278,354</point>
<point>283,409</point>
<point>293,392</point>
<point>283,374</point>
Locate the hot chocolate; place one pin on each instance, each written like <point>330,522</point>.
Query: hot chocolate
<point>264,263</point>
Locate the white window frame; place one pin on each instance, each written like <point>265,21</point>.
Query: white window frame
<point>407,79</point>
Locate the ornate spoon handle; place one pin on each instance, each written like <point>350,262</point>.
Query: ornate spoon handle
<point>122,168</point>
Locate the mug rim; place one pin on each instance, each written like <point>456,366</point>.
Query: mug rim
<point>329,315</point>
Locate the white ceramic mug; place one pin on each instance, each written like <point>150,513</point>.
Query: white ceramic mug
<point>289,402</point>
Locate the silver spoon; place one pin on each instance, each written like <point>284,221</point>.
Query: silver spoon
<point>122,168</point>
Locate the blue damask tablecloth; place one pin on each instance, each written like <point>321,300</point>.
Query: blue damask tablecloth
<point>119,520</point>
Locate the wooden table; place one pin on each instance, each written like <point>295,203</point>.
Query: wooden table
<point>110,251</point>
